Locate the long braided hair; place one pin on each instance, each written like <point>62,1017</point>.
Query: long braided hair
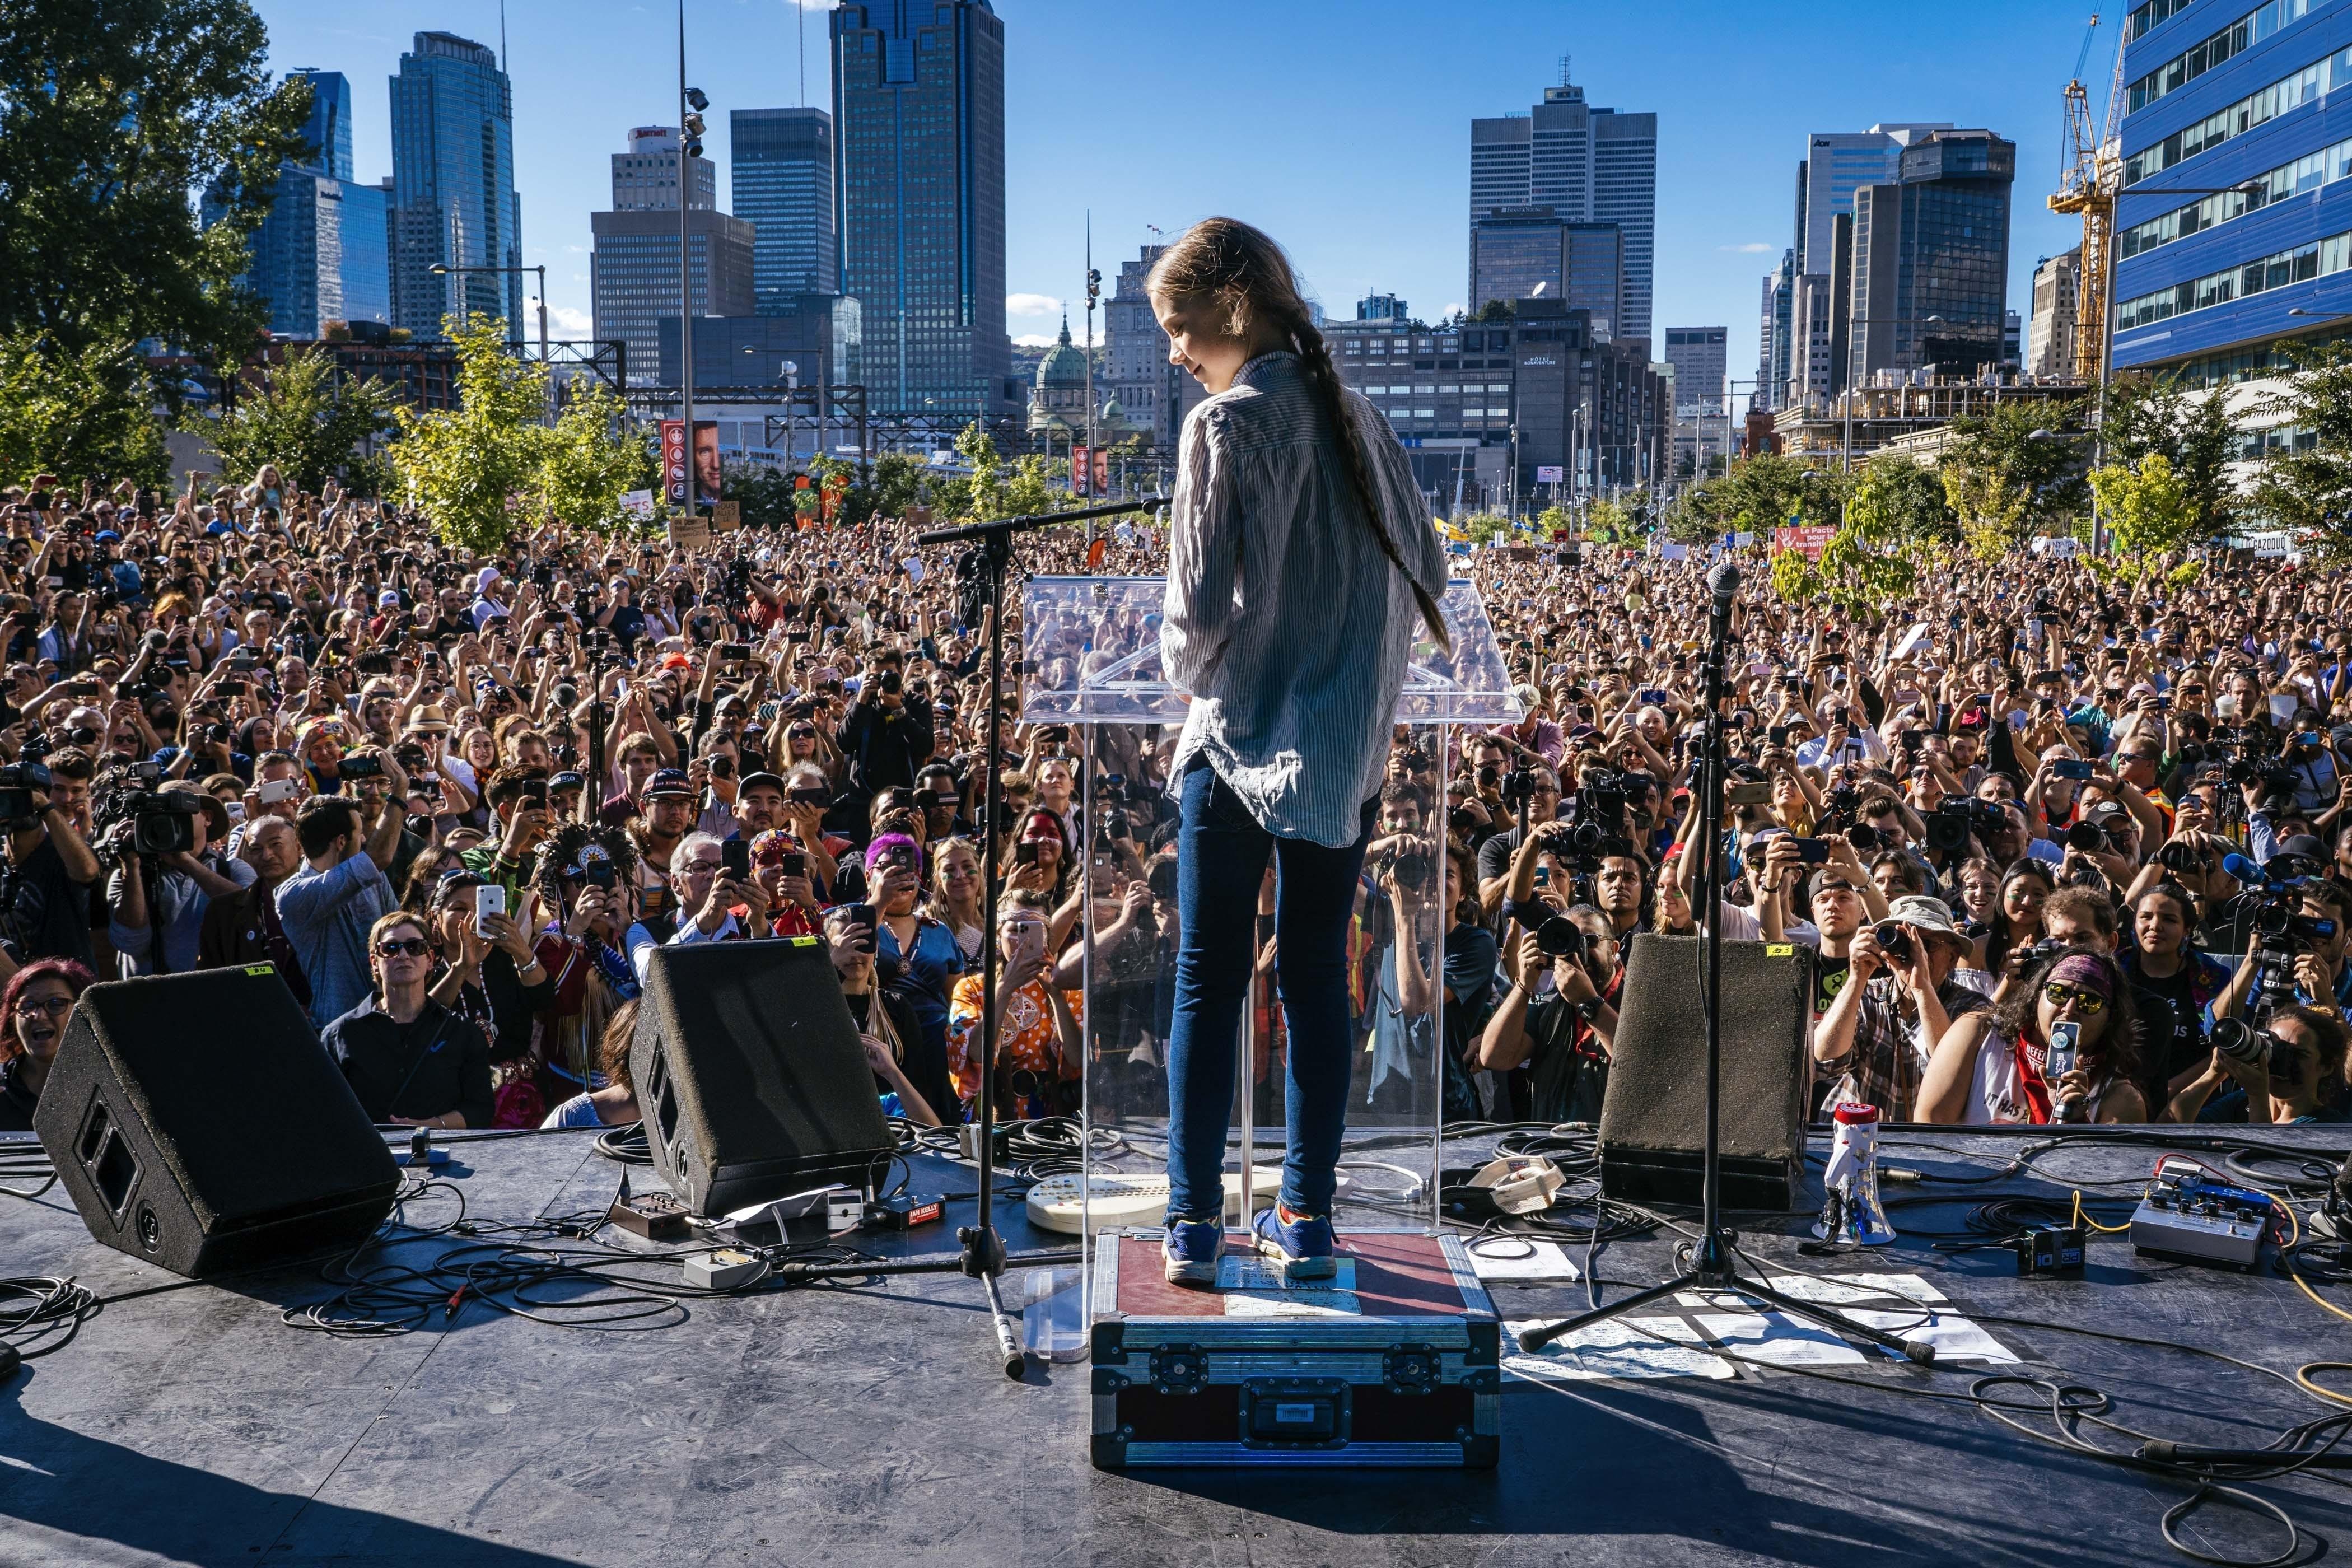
<point>1243,276</point>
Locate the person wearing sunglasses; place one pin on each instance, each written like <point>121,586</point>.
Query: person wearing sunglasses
<point>1993,1068</point>
<point>411,1061</point>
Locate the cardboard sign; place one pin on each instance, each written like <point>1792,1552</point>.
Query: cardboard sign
<point>726,516</point>
<point>688,533</point>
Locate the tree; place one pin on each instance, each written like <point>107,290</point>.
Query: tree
<point>490,466</point>
<point>305,418</point>
<point>2007,478</point>
<point>110,115</point>
<point>1755,495</point>
<point>763,491</point>
<point>2308,486</point>
<point>897,483</point>
<point>590,460</point>
<point>2150,511</point>
<point>84,413</point>
<point>2147,415</point>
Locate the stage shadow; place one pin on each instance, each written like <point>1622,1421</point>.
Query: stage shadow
<point>90,1491</point>
<point>1729,1471</point>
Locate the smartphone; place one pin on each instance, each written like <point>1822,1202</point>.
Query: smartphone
<point>862,916</point>
<point>2069,768</point>
<point>1813,851</point>
<point>231,688</point>
<point>735,859</point>
<point>275,790</point>
<point>490,899</point>
<point>1778,735</point>
<point>2065,1038</point>
<point>1543,876</point>
<point>792,863</point>
<point>1651,695</point>
<point>1752,792</point>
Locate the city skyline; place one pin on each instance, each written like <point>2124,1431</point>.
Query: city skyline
<point>1350,160</point>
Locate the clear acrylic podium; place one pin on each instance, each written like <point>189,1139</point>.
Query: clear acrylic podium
<point>1091,659</point>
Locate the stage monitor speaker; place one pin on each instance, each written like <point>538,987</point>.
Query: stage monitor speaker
<point>1653,1116</point>
<point>750,1076</point>
<point>198,1124</point>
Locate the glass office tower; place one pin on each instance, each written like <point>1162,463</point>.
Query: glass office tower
<point>453,195</point>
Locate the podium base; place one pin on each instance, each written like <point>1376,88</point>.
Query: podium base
<point>1394,1362</point>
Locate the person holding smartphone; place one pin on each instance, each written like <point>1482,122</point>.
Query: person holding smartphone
<point>1039,1048</point>
<point>1300,558</point>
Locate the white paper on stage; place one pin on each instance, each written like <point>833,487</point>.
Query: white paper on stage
<point>1500,1260</point>
<point>1615,1348</point>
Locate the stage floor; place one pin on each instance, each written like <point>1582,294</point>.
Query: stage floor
<point>870,1425</point>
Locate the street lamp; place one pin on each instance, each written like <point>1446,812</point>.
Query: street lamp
<point>1845,462</point>
<point>691,103</point>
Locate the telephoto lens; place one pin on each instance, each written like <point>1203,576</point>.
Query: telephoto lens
<point>2239,1040</point>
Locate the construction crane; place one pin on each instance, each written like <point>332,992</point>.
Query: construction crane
<point>2088,181</point>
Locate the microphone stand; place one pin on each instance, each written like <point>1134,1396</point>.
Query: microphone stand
<point>1712,1263</point>
<point>983,1257</point>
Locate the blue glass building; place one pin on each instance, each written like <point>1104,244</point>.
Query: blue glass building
<point>783,160</point>
<point>2255,99</point>
<point>319,255</point>
<point>453,195</point>
<point>919,195</point>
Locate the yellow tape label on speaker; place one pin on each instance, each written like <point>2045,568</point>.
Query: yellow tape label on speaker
<point>801,941</point>
<point>261,969</point>
<point>1779,950</point>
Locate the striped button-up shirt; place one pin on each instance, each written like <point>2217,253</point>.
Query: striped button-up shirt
<point>1282,617</point>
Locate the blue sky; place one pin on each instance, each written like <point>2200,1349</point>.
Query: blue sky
<point>1341,127</point>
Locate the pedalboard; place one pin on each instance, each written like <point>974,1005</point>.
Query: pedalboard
<point>904,1213</point>
<point>2053,1251</point>
<point>657,1216</point>
<point>2193,1218</point>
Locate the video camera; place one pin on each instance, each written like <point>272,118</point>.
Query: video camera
<point>133,817</point>
<point>1956,819</point>
<point>1556,935</point>
<point>18,781</point>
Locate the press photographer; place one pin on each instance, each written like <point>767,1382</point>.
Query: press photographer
<point>50,868</point>
<point>155,844</point>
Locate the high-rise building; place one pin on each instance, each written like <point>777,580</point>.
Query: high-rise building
<point>1776,322</point>
<point>633,273</point>
<point>919,185</point>
<point>645,178</point>
<point>2050,337</point>
<point>1382,308</point>
<point>2234,99</point>
<point>453,197</point>
<point>1931,258</point>
<point>1836,164</point>
<point>319,255</point>
<point>1589,165</point>
<point>1154,395</point>
<point>782,162</point>
<point>2012,339</point>
<point>1701,359</point>
<point>1810,334</point>
<point>1526,253</point>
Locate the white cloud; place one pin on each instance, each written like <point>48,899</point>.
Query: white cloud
<point>1031,305</point>
<point>1035,340</point>
<point>1457,309</point>
<point>570,320</point>
<point>1753,248</point>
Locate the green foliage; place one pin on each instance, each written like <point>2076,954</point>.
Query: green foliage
<point>1894,502</point>
<point>491,466</point>
<point>764,491</point>
<point>1894,516</point>
<point>1554,520</point>
<point>1755,495</point>
<point>2005,485</point>
<point>897,483</point>
<point>2150,510</point>
<point>110,115</point>
<point>590,459</point>
<point>77,412</point>
<point>303,421</point>
<point>2147,415</point>
<point>1482,526</point>
<point>1794,578</point>
<point>2309,489</point>
<point>994,491</point>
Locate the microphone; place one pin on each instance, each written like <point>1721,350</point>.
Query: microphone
<point>1723,580</point>
<point>2243,869</point>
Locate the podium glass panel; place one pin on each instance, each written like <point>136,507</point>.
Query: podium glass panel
<point>1091,661</point>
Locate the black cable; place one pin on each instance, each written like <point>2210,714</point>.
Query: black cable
<point>626,1145</point>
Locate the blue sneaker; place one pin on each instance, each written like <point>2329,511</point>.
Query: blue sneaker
<point>1188,1255</point>
<point>1300,1245</point>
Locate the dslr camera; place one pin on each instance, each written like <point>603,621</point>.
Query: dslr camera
<point>18,781</point>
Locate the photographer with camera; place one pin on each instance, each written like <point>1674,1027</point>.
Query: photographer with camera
<point>886,735</point>
<point>517,799</point>
<point>2290,1071</point>
<point>1532,794</point>
<point>1900,997</point>
<point>163,875</point>
<point>51,867</point>
<point>1560,1016</point>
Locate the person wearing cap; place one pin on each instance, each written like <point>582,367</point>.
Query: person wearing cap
<point>1533,738</point>
<point>487,601</point>
<point>666,811</point>
<point>518,805</point>
<point>1885,1024</point>
<point>1990,1068</point>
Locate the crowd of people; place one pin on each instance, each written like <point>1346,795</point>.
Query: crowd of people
<point>2068,846</point>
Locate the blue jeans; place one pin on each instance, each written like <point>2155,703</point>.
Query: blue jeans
<point>1221,855</point>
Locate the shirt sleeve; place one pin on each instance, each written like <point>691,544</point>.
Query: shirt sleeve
<point>1204,548</point>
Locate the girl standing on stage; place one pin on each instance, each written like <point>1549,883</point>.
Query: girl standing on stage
<point>1301,557</point>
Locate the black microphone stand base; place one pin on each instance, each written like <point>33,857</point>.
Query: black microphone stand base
<point>1535,1339</point>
